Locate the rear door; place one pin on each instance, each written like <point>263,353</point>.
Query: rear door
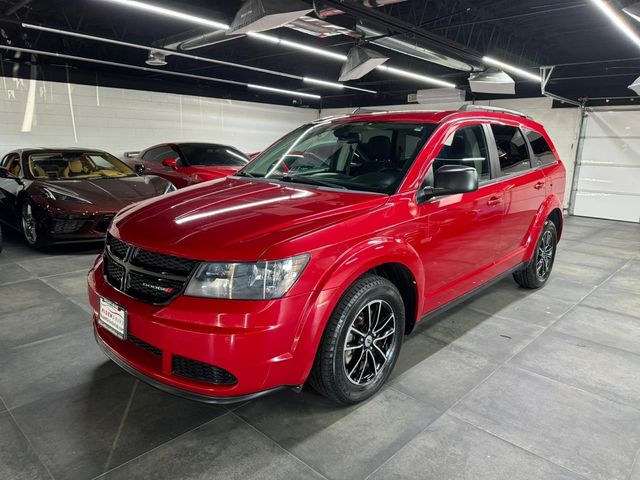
<point>523,192</point>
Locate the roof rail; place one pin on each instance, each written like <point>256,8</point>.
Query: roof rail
<point>483,108</point>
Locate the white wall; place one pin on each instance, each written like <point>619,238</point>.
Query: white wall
<point>561,123</point>
<point>36,113</point>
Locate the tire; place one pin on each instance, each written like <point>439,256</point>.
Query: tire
<point>32,232</point>
<point>351,367</point>
<point>0,238</point>
<point>538,270</point>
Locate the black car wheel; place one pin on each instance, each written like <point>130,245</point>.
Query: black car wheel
<point>539,268</point>
<point>30,229</point>
<point>361,342</point>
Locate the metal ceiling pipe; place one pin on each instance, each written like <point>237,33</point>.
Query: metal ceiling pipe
<point>447,48</point>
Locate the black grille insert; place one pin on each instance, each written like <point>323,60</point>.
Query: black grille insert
<point>145,346</point>
<point>159,263</point>
<point>147,276</point>
<point>203,372</point>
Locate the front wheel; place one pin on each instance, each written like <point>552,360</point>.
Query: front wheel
<point>537,271</point>
<point>361,342</point>
<point>30,229</point>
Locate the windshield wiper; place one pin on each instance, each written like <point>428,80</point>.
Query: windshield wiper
<point>244,174</point>
<point>310,181</point>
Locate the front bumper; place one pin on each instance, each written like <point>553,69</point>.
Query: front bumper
<point>253,340</point>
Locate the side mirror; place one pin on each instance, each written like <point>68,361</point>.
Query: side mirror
<point>170,163</point>
<point>139,168</point>
<point>451,180</point>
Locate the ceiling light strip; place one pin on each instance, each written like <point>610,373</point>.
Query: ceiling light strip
<point>189,56</point>
<point>618,21</point>
<point>512,69</point>
<point>167,12</point>
<point>292,93</point>
<point>279,90</point>
<point>423,78</point>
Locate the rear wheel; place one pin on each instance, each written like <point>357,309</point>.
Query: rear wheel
<point>32,232</point>
<point>361,342</point>
<point>537,271</point>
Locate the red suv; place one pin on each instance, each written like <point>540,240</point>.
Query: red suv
<point>314,261</point>
<point>185,164</point>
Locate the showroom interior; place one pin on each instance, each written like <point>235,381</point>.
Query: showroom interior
<point>148,122</point>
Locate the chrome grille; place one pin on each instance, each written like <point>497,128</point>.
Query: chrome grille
<point>147,276</point>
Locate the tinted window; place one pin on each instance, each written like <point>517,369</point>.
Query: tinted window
<point>512,149</point>
<point>467,146</point>
<point>212,155</point>
<point>541,149</point>
<point>367,156</point>
<point>158,154</point>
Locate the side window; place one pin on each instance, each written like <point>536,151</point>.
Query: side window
<point>466,146</point>
<point>541,150</point>
<point>12,163</point>
<point>158,154</point>
<point>512,149</point>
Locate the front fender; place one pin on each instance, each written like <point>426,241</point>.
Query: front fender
<point>346,269</point>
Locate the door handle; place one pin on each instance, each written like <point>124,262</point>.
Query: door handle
<point>493,201</point>
<point>538,185</point>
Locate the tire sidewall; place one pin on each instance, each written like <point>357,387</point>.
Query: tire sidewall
<point>548,226</point>
<point>354,393</point>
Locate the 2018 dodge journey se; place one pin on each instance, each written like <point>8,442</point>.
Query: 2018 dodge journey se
<point>313,262</point>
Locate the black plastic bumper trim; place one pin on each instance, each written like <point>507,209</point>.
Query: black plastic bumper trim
<point>198,397</point>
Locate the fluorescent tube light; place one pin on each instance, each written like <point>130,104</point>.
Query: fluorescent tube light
<point>297,46</point>
<point>323,82</point>
<point>167,12</point>
<point>284,92</point>
<point>415,76</point>
<point>510,68</point>
<point>617,20</point>
<point>633,11</point>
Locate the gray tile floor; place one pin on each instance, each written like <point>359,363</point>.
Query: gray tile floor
<point>512,385</point>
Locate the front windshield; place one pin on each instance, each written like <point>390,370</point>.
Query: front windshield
<point>76,165</point>
<point>365,156</point>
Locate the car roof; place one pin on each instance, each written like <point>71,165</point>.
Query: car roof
<point>430,116</point>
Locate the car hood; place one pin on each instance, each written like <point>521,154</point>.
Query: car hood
<point>211,173</point>
<point>118,192</point>
<point>236,219</point>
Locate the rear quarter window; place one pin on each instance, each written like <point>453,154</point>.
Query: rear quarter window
<point>542,153</point>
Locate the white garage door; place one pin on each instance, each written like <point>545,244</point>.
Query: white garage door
<point>607,183</point>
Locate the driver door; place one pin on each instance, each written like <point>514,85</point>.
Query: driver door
<point>463,230</point>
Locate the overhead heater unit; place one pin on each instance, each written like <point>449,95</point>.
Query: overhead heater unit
<point>635,86</point>
<point>260,15</point>
<point>434,96</point>
<point>360,61</point>
<point>492,81</point>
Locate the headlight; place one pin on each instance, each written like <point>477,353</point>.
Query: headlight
<point>170,188</point>
<point>65,197</point>
<point>246,281</point>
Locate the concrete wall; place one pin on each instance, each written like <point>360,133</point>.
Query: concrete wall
<point>37,113</point>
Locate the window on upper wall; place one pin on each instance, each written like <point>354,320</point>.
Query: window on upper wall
<point>512,149</point>
<point>466,146</point>
<point>543,155</point>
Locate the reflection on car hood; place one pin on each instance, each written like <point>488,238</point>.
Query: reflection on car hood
<point>236,219</point>
<point>117,191</point>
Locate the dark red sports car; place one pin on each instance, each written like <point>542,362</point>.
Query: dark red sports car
<point>185,164</point>
<point>67,195</point>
